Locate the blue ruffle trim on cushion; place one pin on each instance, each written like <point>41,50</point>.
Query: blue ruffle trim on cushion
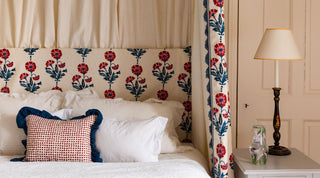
<point>25,111</point>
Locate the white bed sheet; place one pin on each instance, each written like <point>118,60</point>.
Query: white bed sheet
<point>189,164</point>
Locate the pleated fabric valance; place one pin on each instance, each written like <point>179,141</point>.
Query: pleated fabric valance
<point>95,23</point>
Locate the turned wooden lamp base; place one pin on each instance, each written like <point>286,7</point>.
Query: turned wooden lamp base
<point>276,149</point>
<point>279,151</point>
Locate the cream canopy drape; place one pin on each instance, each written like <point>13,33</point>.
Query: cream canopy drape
<point>95,23</point>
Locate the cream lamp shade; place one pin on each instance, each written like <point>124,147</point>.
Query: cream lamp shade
<point>278,44</point>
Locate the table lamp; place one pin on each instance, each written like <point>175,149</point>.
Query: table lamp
<point>277,44</point>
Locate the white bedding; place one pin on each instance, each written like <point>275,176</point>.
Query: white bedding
<point>189,164</point>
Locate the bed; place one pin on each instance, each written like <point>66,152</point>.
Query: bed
<point>186,164</point>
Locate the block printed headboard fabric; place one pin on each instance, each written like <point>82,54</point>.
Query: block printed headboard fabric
<point>132,74</point>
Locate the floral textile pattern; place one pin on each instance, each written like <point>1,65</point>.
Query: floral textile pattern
<point>217,87</point>
<point>136,85</point>
<point>6,69</point>
<point>184,82</point>
<point>30,81</point>
<point>163,71</point>
<point>82,81</point>
<point>109,71</point>
<point>56,68</point>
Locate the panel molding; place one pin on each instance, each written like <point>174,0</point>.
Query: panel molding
<point>308,124</point>
<point>308,46</point>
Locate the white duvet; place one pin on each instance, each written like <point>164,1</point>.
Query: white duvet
<point>189,164</point>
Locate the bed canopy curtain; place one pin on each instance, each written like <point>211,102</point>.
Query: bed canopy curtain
<point>210,86</point>
<point>141,24</point>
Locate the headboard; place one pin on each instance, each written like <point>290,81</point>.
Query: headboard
<point>132,74</point>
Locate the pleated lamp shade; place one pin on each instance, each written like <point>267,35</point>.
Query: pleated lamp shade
<point>278,44</point>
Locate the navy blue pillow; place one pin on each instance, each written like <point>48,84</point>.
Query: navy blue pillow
<point>25,111</point>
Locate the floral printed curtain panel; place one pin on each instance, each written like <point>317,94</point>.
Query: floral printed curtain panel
<point>210,96</point>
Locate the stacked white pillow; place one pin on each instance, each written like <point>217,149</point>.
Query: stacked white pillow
<point>131,131</point>
<point>51,101</point>
<point>10,134</point>
<point>130,141</point>
<point>131,111</point>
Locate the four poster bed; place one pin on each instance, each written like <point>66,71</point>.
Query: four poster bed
<point>76,102</point>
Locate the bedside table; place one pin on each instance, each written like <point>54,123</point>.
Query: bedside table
<point>296,165</point>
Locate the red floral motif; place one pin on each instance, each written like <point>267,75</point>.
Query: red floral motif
<point>62,65</point>
<point>231,158</point>
<point>218,3</point>
<point>37,77</point>
<point>164,55</point>
<point>169,67</point>
<point>5,90</point>
<point>23,76</point>
<point>187,105</point>
<point>56,53</point>
<point>156,65</point>
<point>219,49</point>
<point>49,63</point>
<point>162,94</point>
<point>115,67</point>
<point>224,64</point>
<point>142,81</point>
<point>182,76</point>
<point>130,79</point>
<point>10,64</point>
<point>57,88</point>
<point>76,78</point>
<point>4,53</point>
<point>215,111</point>
<point>109,94</point>
<point>224,166</point>
<point>89,79</point>
<point>103,65</point>
<point>214,61</point>
<point>215,160</point>
<point>30,66</point>
<point>221,99</point>
<point>83,68</point>
<point>187,66</point>
<point>225,115</point>
<point>136,69</point>
<point>110,55</point>
<point>221,150</point>
<point>212,12</point>
<point>1,62</point>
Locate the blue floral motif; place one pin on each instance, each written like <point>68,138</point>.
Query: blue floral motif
<point>56,68</point>
<point>83,81</point>
<point>83,52</point>
<point>6,70</point>
<point>29,82</point>
<point>136,85</point>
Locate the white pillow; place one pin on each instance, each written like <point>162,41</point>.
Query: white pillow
<point>130,141</point>
<point>132,110</point>
<point>10,135</point>
<point>69,96</point>
<point>64,114</point>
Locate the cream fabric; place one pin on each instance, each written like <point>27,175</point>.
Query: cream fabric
<point>95,24</point>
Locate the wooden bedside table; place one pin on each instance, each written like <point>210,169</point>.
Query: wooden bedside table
<point>296,165</point>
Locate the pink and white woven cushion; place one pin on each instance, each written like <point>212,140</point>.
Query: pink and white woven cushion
<point>57,140</point>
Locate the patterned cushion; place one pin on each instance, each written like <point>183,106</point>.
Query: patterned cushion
<point>51,139</point>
